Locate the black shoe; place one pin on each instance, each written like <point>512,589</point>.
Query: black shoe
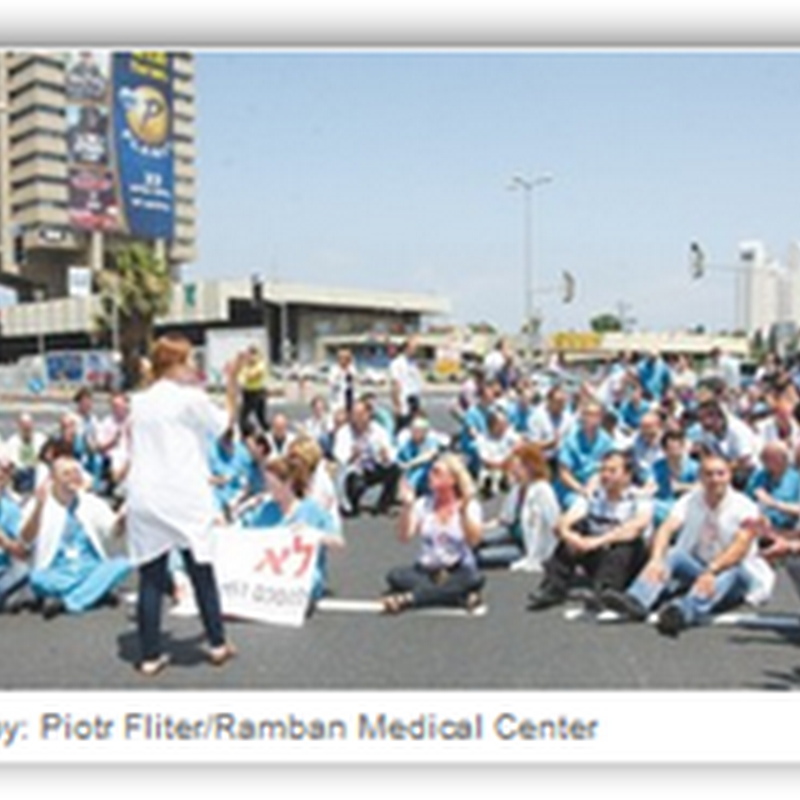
<point>589,597</point>
<point>671,622</point>
<point>544,598</point>
<point>52,607</point>
<point>13,605</point>
<point>111,600</point>
<point>623,604</point>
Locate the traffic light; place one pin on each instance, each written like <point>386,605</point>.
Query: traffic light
<point>697,260</point>
<point>257,285</point>
<point>568,287</point>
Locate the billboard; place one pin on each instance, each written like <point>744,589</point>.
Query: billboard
<point>93,204</point>
<point>119,142</point>
<point>142,111</point>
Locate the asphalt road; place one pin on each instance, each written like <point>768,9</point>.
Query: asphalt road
<point>506,648</point>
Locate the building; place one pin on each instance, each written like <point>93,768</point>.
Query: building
<point>69,188</point>
<point>294,317</point>
<point>768,290</point>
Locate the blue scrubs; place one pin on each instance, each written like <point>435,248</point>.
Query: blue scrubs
<point>787,490</point>
<point>78,575</point>
<point>582,458</point>
<point>417,476</point>
<point>665,497</point>
<point>231,463</point>
<point>477,418</point>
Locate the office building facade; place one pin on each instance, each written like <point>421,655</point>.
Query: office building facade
<point>96,149</point>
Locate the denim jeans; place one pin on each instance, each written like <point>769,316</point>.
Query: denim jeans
<point>152,585</point>
<point>498,548</point>
<point>683,569</point>
<point>12,577</point>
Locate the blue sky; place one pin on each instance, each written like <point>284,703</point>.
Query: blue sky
<point>389,169</point>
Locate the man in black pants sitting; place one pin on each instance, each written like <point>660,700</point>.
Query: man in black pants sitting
<point>365,455</point>
<point>603,533</point>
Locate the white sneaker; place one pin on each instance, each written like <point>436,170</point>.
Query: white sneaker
<point>526,564</point>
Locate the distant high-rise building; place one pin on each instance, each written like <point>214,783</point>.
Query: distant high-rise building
<point>96,149</point>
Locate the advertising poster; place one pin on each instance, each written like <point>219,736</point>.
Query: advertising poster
<point>93,201</point>
<point>142,111</point>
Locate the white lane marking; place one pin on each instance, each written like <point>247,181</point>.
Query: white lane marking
<point>334,605</point>
<point>734,619</point>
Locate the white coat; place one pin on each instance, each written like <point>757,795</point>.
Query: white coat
<point>170,498</point>
<point>94,515</point>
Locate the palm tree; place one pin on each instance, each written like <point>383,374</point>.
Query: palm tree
<point>139,286</point>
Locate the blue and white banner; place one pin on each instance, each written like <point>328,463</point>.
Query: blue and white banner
<point>142,109</point>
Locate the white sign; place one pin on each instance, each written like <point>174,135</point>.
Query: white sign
<point>265,574</point>
<point>79,281</point>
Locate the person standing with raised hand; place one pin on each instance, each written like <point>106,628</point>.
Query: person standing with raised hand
<point>170,497</point>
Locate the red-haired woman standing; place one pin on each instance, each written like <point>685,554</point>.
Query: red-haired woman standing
<point>170,498</point>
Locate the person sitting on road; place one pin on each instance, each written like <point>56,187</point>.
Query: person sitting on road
<point>523,536</point>
<point>604,534</point>
<point>321,488</point>
<point>646,447</point>
<point>13,552</point>
<point>705,552</point>
<point>633,407</point>
<point>228,460</point>
<point>775,487</point>
<point>475,423</point>
<point>23,448</point>
<point>718,432</point>
<point>280,435</point>
<point>288,503</point>
<point>366,458</point>
<point>68,526</point>
<point>550,423</point>
<point>580,454</point>
<point>418,447</point>
<point>319,425</point>
<point>674,474</point>
<point>494,449</point>
<point>448,524</point>
<point>253,482</point>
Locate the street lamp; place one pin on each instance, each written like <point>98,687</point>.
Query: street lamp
<point>699,265</point>
<point>527,185</point>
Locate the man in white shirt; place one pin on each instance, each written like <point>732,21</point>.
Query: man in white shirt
<point>720,433</point>
<point>365,456</point>
<point>714,559</point>
<point>603,533</point>
<point>342,382</point>
<point>113,441</point>
<point>406,384</point>
<point>551,421</point>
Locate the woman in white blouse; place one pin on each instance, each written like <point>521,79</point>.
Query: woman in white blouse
<point>170,496</point>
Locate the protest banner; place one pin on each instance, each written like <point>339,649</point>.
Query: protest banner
<point>266,574</point>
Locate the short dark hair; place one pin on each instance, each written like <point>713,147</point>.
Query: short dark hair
<point>628,462</point>
<point>81,394</point>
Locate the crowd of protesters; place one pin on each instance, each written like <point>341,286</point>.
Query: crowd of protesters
<point>650,486</point>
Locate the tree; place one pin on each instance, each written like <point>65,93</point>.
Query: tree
<point>140,286</point>
<point>605,323</point>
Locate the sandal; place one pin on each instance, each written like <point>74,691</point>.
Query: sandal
<point>218,656</point>
<point>473,601</point>
<point>153,666</point>
<point>395,603</point>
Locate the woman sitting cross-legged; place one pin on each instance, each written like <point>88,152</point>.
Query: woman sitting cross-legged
<point>448,523</point>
